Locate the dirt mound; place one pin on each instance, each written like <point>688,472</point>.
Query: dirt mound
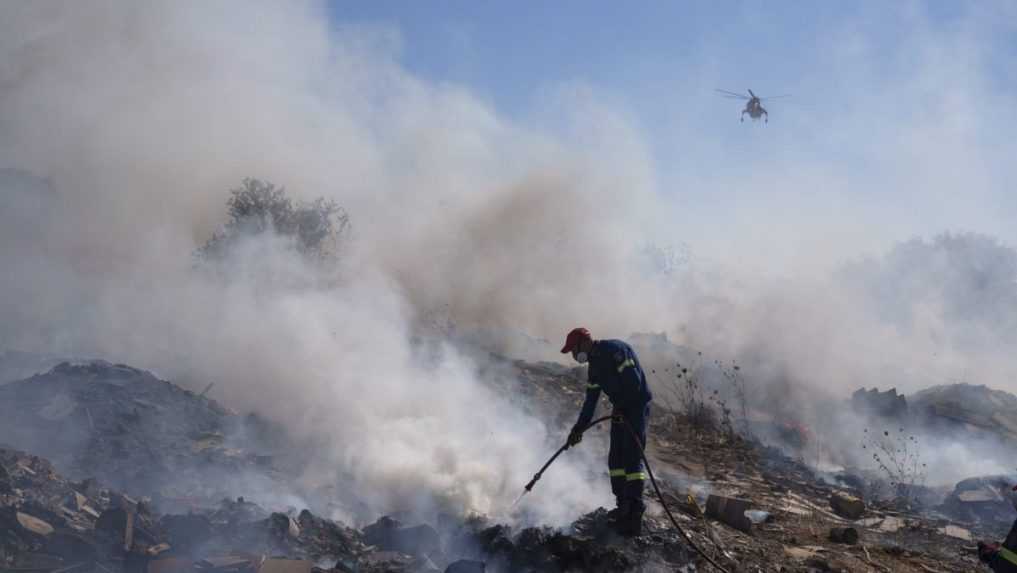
<point>133,431</point>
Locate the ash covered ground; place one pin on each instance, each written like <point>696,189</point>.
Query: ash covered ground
<point>105,467</point>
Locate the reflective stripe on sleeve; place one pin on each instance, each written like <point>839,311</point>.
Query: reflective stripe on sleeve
<point>635,476</point>
<point>626,364</point>
<point>1008,555</point>
<point>617,473</point>
<point>593,386</point>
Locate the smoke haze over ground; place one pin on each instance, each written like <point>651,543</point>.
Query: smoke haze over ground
<point>123,125</point>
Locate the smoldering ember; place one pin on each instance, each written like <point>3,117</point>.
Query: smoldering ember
<point>355,286</point>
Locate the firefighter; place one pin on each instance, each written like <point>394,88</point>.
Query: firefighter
<point>1002,558</point>
<point>615,370</point>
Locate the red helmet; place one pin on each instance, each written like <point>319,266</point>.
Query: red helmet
<point>575,336</point>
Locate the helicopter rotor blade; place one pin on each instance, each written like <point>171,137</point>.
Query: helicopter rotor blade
<point>752,94</point>
<point>774,97</point>
<point>731,94</point>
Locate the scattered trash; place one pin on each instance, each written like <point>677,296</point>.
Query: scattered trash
<point>171,523</point>
<point>34,524</point>
<point>800,553</point>
<point>956,532</point>
<point>729,511</point>
<point>891,524</point>
<point>984,498</point>
<point>390,534</point>
<point>758,516</point>
<point>846,505</point>
<point>848,535</point>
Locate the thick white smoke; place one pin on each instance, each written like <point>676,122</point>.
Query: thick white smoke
<point>139,116</point>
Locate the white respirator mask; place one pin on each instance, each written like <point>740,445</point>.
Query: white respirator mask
<point>581,357</point>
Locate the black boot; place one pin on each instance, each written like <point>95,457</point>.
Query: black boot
<point>632,523</point>
<point>617,515</point>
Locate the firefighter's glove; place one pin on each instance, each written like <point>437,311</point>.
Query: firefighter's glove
<point>987,551</point>
<point>575,436</point>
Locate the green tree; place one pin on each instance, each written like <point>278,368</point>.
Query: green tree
<point>258,207</point>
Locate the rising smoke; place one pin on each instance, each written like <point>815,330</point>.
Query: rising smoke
<point>125,124</point>
<point>122,125</point>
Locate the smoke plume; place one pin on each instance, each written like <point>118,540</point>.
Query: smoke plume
<point>123,125</point>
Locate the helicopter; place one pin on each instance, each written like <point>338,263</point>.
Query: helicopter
<point>754,104</point>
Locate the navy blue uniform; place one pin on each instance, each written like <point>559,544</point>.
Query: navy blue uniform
<point>615,370</point>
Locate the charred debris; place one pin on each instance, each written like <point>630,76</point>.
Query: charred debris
<point>106,468</point>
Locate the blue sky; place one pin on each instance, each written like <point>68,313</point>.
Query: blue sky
<point>880,91</point>
<point>507,52</point>
<point>655,52</point>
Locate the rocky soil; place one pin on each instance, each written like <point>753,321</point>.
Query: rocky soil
<point>105,467</point>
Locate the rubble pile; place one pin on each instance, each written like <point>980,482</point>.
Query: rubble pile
<point>977,411</point>
<point>748,506</point>
<point>751,507</point>
<point>962,412</point>
<point>48,523</point>
<point>133,431</point>
<point>986,499</point>
<point>590,544</point>
<point>802,522</point>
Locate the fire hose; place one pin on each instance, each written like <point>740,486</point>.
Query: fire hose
<point>649,471</point>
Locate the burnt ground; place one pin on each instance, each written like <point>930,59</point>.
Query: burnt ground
<point>796,536</point>
<point>55,517</point>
